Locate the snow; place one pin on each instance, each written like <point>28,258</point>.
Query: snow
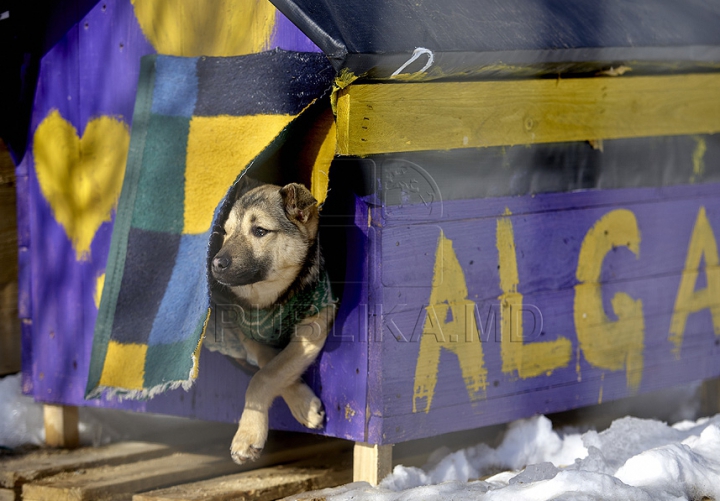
<point>21,420</point>
<point>633,459</point>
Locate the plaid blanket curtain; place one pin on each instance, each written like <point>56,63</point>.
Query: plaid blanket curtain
<point>198,125</point>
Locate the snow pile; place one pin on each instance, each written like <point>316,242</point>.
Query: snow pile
<point>526,442</point>
<point>634,459</point>
<point>21,419</point>
<point>21,422</point>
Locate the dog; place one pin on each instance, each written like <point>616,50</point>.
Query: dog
<point>271,265</point>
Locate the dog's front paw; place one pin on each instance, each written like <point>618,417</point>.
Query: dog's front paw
<point>250,437</point>
<point>305,406</point>
<point>315,414</point>
<point>241,454</point>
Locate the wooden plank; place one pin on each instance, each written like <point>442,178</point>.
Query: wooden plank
<point>459,352</point>
<point>710,397</point>
<point>61,426</point>
<point>265,483</point>
<point>258,485</point>
<point>16,471</point>
<point>9,322</point>
<point>122,481</point>
<point>8,220</point>
<point>8,495</point>
<point>371,462</point>
<point>9,329</point>
<point>376,118</point>
<point>60,279</point>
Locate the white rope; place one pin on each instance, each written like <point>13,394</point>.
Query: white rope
<point>419,51</point>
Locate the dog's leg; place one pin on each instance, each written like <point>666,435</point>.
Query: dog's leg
<point>279,373</point>
<point>304,405</point>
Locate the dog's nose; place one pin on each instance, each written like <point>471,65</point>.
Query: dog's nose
<point>220,263</point>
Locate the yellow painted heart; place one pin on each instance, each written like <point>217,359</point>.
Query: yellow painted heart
<point>81,178</point>
<point>202,28</point>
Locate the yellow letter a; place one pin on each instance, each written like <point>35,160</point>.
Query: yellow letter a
<point>688,300</point>
<point>450,324</point>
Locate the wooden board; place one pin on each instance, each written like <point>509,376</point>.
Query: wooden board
<point>62,426</point>
<point>383,118</point>
<point>264,483</point>
<point>16,471</point>
<point>8,495</point>
<point>371,463</point>
<point>8,221</point>
<point>258,485</point>
<point>122,481</point>
<point>93,72</point>
<point>9,321</point>
<point>10,338</point>
<point>507,307</point>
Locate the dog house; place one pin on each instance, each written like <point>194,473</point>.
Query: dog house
<point>522,218</point>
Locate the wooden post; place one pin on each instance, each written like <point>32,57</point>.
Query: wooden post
<point>371,463</point>
<point>710,397</point>
<point>61,426</point>
<point>9,321</point>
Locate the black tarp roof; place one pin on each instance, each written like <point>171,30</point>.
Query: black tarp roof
<point>378,36</point>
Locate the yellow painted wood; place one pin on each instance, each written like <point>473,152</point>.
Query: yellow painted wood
<point>81,175</point>
<point>383,118</point>
<point>199,28</point>
<point>449,325</point>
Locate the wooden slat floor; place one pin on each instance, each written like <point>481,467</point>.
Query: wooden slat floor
<point>142,471</point>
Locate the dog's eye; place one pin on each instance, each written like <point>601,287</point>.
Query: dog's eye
<point>259,232</point>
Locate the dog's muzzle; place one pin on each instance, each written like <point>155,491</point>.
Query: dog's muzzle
<point>220,264</point>
<point>230,273</point>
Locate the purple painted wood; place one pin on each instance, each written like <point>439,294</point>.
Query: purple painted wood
<point>548,230</point>
<point>93,71</point>
<point>23,223</point>
<point>87,74</point>
<point>24,283</point>
<point>365,377</point>
<point>287,36</point>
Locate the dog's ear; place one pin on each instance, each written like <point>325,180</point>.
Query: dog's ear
<point>299,202</point>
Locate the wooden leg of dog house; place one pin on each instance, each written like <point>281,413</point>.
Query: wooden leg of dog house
<point>371,463</point>
<point>710,397</point>
<point>61,426</point>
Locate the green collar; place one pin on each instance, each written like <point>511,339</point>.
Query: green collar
<point>275,325</point>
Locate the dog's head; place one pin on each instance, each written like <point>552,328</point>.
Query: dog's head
<point>268,235</point>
